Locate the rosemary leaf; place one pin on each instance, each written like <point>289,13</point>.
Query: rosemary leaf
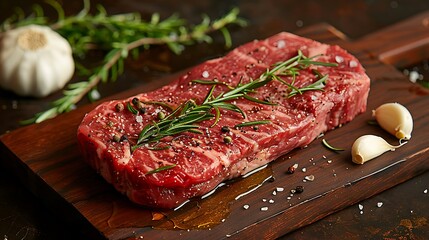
<point>327,145</point>
<point>132,109</point>
<point>160,169</point>
<point>217,116</point>
<point>208,82</point>
<point>253,123</point>
<point>252,99</point>
<point>162,104</point>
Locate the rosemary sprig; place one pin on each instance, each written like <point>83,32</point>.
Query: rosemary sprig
<point>292,67</point>
<point>119,35</point>
<point>186,116</point>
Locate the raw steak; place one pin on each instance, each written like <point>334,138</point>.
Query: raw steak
<point>202,161</point>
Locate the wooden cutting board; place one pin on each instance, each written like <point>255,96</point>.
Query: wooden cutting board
<point>45,157</point>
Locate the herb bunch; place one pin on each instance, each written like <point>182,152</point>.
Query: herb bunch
<point>119,36</point>
<point>185,117</point>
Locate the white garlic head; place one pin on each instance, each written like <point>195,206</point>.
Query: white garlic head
<point>34,61</point>
<point>368,147</point>
<point>395,119</point>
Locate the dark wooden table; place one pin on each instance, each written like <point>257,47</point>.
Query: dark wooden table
<point>399,213</point>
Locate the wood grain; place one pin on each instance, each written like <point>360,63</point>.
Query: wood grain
<point>46,159</point>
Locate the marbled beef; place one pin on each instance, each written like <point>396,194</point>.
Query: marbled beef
<point>202,161</point>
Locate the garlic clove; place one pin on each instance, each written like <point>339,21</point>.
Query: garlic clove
<point>395,119</point>
<point>368,147</point>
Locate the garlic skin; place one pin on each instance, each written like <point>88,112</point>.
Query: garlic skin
<point>395,119</point>
<point>34,61</point>
<point>368,147</point>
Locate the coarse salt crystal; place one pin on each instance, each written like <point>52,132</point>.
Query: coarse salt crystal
<point>274,193</point>
<point>304,169</point>
<point>264,208</point>
<point>246,206</point>
<point>139,118</point>
<point>289,198</point>
<point>360,206</point>
<point>281,44</point>
<point>425,191</point>
<point>414,76</point>
<point>264,200</point>
<point>353,64</point>
<point>271,201</point>
<point>361,212</point>
<point>279,189</point>
<point>329,161</point>
<point>379,204</point>
<point>339,59</point>
<point>309,178</point>
<point>205,74</point>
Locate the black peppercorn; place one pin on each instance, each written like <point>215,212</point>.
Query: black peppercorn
<point>291,170</point>
<point>225,129</point>
<point>135,101</point>
<point>142,110</point>
<point>299,189</point>
<point>119,107</point>
<point>123,138</point>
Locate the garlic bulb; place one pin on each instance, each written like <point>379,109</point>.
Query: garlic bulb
<point>34,61</point>
<point>368,147</point>
<point>395,119</point>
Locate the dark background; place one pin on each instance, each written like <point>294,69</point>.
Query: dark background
<point>405,210</point>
